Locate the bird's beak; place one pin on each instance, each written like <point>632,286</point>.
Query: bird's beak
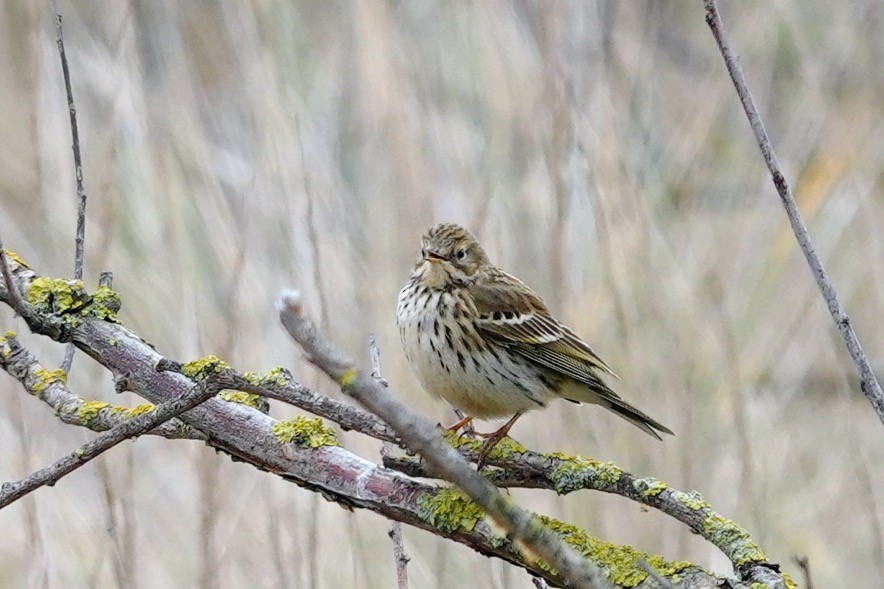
<point>431,256</point>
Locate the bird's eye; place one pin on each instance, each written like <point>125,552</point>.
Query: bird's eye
<point>461,254</point>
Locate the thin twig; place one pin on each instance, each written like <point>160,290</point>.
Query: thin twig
<point>868,382</point>
<point>15,301</point>
<point>11,492</point>
<point>80,239</point>
<point>523,527</point>
<point>804,564</point>
<point>664,582</point>
<point>399,556</point>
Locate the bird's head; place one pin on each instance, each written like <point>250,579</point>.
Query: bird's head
<point>450,252</point>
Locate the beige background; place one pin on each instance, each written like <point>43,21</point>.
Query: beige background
<point>597,149</point>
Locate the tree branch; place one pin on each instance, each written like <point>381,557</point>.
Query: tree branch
<point>868,382</point>
<point>80,239</point>
<point>49,387</point>
<point>337,474</point>
<point>11,492</point>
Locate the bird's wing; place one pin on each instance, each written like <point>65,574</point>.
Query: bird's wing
<point>515,316</point>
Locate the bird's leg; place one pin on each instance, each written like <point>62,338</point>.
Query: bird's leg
<point>462,422</point>
<point>492,439</point>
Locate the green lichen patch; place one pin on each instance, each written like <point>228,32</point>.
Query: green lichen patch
<point>789,581</point>
<point>575,472</point>
<point>505,448</point>
<point>69,299</point>
<point>619,563</point>
<point>306,431</point>
<point>90,410</point>
<point>448,510</point>
<point>105,304</point>
<point>55,296</point>
<point>247,399</point>
<point>649,486</point>
<point>279,376</point>
<point>733,540</point>
<point>47,377</point>
<point>139,410</point>
<point>202,367</point>
<point>693,500</point>
<point>254,378</point>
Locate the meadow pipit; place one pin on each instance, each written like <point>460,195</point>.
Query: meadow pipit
<point>486,343</point>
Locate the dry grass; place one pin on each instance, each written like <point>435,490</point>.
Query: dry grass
<point>600,152</point>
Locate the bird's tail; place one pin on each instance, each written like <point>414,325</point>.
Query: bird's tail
<point>636,417</point>
<point>610,400</point>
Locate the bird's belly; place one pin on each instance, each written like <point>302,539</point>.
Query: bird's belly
<point>482,381</point>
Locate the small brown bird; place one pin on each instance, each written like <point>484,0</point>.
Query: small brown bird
<point>486,343</point>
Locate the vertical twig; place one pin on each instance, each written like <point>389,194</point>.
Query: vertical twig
<point>313,239</point>
<point>868,383</point>
<point>395,533</point>
<point>78,170</point>
<point>804,564</point>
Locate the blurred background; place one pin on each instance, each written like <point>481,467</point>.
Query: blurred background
<point>599,152</point>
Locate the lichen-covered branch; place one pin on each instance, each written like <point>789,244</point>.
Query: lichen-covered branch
<point>519,467</point>
<point>869,384</point>
<point>49,386</point>
<point>303,450</point>
<point>11,492</point>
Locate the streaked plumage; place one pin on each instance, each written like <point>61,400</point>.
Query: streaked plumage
<point>486,343</point>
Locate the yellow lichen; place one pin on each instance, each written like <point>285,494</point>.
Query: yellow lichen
<point>105,304</point>
<point>47,377</point>
<point>348,378</point>
<point>733,540</point>
<point>306,431</point>
<point>448,510</point>
<point>575,472</point>
<point>279,376</point>
<point>201,367</point>
<point>139,410</point>
<point>247,399</point>
<point>57,295</point>
<point>649,487</point>
<point>90,410</point>
<point>693,500</point>
<point>15,258</point>
<point>504,449</point>
<point>619,563</point>
<point>69,299</point>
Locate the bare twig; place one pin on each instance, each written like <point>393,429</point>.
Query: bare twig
<point>868,382</point>
<point>420,436</point>
<point>400,558</point>
<point>11,492</point>
<point>79,241</point>
<point>804,564</point>
<point>664,582</point>
<point>15,301</point>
